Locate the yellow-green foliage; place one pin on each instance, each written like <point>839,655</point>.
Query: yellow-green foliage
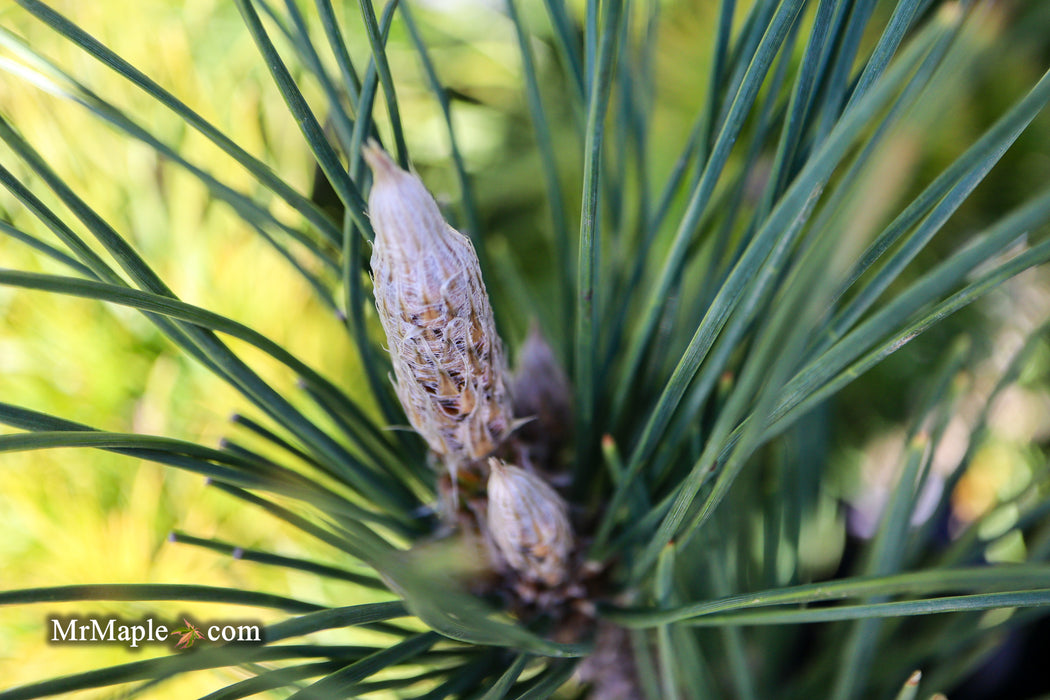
<point>80,516</point>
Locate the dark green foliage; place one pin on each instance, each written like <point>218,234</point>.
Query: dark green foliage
<point>722,287</point>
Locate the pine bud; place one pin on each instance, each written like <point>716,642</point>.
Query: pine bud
<point>541,392</point>
<point>432,302</point>
<point>529,523</point>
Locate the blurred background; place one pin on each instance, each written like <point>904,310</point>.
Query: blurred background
<point>79,516</point>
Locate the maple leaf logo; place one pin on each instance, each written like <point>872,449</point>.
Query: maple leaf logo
<point>188,635</point>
